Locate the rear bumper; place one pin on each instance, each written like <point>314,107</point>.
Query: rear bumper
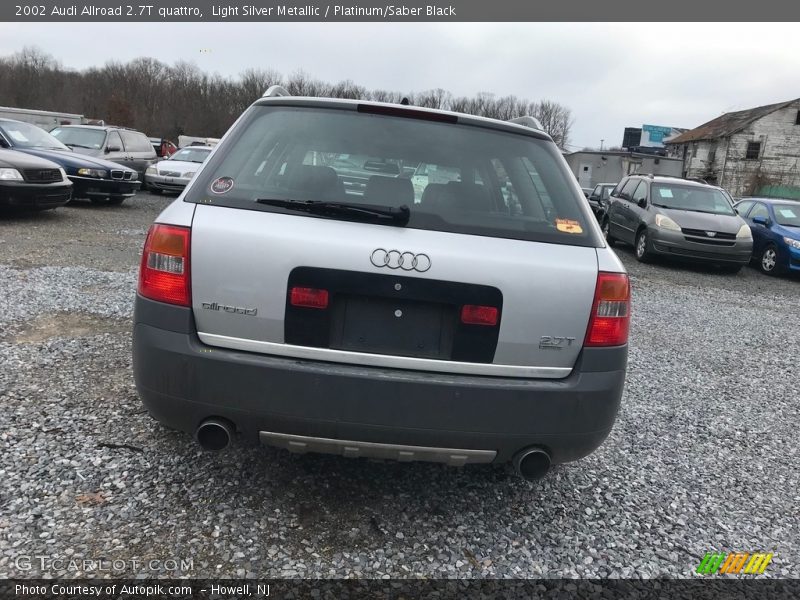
<point>675,244</point>
<point>183,382</point>
<point>26,195</point>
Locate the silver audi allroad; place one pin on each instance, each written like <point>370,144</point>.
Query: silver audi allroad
<point>380,280</point>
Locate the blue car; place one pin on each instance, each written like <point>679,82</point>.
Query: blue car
<point>775,225</point>
<point>102,181</point>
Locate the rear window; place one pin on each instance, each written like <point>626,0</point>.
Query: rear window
<point>454,178</point>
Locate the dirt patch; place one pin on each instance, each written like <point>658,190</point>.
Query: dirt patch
<point>49,326</point>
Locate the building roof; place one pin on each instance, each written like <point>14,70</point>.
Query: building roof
<point>728,124</point>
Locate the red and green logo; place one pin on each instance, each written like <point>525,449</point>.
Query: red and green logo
<point>734,563</point>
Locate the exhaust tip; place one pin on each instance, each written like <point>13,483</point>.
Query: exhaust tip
<point>214,434</point>
<point>532,464</point>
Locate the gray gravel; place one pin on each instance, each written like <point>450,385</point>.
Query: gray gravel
<point>704,455</point>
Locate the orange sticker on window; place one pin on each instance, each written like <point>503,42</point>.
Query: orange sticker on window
<point>568,226</point>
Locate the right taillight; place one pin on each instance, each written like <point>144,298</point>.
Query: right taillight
<point>164,270</point>
<point>611,311</point>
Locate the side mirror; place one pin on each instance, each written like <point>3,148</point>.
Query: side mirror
<point>642,203</point>
<point>113,149</point>
<point>762,221</point>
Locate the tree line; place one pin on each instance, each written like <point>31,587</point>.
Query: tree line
<point>169,100</point>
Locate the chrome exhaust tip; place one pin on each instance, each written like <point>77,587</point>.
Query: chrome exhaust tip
<point>214,434</point>
<point>532,464</point>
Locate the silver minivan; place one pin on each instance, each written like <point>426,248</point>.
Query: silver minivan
<point>479,318</point>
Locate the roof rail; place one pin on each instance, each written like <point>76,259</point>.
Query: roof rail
<point>528,121</point>
<point>275,90</point>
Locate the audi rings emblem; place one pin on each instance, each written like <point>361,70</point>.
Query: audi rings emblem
<point>394,259</point>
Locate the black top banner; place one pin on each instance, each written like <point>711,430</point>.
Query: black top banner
<point>397,11</point>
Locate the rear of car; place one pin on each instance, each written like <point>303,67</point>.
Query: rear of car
<point>478,318</point>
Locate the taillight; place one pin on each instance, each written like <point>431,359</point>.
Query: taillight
<point>611,311</point>
<point>308,297</point>
<point>164,271</point>
<point>472,314</point>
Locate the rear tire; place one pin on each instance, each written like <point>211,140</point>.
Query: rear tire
<point>605,227</point>
<point>768,261</point>
<point>641,248</point>
<point>154,191</point>
<point>731,269</point>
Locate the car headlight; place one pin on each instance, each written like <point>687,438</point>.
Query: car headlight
<point>135,176</point>
<point>10,175</point>
<point>93,172</point>
<point>744,233</point>
<point>664,222</point>
<point>151,171</point>
<point>793,243</point>
<point>188,175</point>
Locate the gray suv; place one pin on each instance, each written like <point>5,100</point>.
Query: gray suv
<point>677,218</point>
<point>444,323</point>
<point>123,146</point>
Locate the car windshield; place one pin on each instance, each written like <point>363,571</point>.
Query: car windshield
<point>787,214</point>
<point>80,137</point>
<point>196,155</point>
<point>25,135</point>
<point>692,198</point>
<point>467,179</point>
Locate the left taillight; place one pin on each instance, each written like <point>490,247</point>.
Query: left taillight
<point>164,270</point>
<point>610,320</point>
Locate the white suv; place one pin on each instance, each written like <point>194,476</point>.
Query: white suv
<point>277,303</point>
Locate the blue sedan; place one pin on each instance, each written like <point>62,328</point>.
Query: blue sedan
<point>775,225</point>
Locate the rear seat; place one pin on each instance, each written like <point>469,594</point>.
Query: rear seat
<point>389,191</point>
<point>313,182</point>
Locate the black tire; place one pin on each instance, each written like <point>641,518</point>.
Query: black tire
<point>605,227</point>
<point>768,261</point>
<point>731,269</point>
<point>155,191</point>
<point>641,247</point>
<point>116,200</point>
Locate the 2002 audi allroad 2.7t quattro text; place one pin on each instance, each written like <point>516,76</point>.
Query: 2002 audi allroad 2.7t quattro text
<point>477,318</point>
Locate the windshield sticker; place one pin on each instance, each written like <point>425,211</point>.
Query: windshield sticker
<point>17,135</point>
<point>568,226</point>
<point>222,185</point>
<point>788,213</point>
<point>665,193</point>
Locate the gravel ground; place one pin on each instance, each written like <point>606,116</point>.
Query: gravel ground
<point>704,454</point>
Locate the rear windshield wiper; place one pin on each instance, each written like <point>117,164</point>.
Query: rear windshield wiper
<point>368,212</point>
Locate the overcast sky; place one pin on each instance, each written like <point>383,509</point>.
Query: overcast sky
<point>610,75</point>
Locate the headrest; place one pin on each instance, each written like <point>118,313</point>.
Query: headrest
<point>389,191</point>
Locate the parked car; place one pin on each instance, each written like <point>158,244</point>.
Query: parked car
<point>32,183</point>
<point>164,148</point>
<point>586,191</point>
<point>273,303</point>
<point>100,180</point>
<point>775,225</point>
<point>598,200</point>
<point>677,218</point>
<point>173,174</point>
<point>125,147</point>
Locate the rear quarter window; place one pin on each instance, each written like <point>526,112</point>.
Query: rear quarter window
<point>466,179</point>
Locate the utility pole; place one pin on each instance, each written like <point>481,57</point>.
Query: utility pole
<point>601,144</point>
